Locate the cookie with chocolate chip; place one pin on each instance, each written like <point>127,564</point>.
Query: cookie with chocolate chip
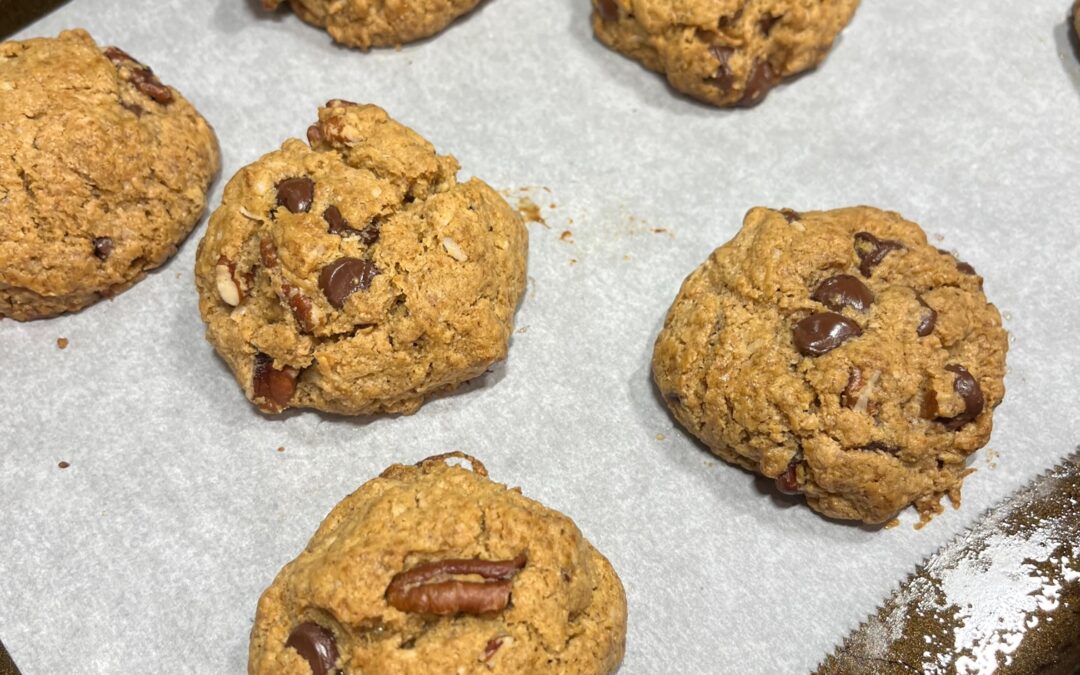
<point>723,52</point>
<point>376,23</point>
<point>354,274</point>
<point>840,354</point>
<point>104,171</point>
<point>434,568</point>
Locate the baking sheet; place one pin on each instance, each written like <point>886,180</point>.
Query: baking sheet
<point>178,509</point>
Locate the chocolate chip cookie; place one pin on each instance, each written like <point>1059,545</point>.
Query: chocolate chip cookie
<point>723,52</point>
<point>104,171</point>
<point>434,568</point>
<point>354,274</point>
<point>840,354</point>
<point>377,23</point>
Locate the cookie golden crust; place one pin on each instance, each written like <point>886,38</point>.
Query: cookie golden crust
<point>356,275</point>
<point>434,568</point>
<point>1076,16</point>
<point>104,172</point>
<point>378,23</point>
<point>839,353</point>
<point>723,52</point>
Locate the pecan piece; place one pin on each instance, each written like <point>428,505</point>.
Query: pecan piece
<point>272,388</point>
<point>139,75</point>
<point>299,304</point>
<point>430,589</point>
<point>230,290</point>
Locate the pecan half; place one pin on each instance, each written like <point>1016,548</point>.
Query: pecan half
<point>431,589</point>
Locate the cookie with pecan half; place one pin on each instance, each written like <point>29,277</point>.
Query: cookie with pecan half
<point>354,274</point>
<point>839,353</point>
<point>377,23</point>
<point>723,52</point>
<point>434,568</point>
<point>104,171</point>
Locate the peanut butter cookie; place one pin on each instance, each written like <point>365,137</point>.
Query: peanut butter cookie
<point>436,569</point>
<point>356,275</point>
<point>104,171</point>
<point>839,353</point>
<point>378,23</point>
<point>723,52</point>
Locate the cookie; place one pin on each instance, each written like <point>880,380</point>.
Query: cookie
<point>1076,16</point>
<point>723,52</point>
<point>355,274</point>
<point>104,172</point>
<point>434,568</point>
<point>376,23</point>
<point>840,354</point>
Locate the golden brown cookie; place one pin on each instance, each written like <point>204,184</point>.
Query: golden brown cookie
<point>1076,16</point>
<point>839,353</point>
<point>104,172</point>
<point>723,52</point>
<point>356,275</point>
<point>378,23</point>
<point>436,569</point>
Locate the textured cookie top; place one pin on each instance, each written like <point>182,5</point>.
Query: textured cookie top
<point>377,23</point>
<point>357,275</point>
<point>840,353</point>
<point>436,569</point>
<point>723,52</point>
<point>104,171</point>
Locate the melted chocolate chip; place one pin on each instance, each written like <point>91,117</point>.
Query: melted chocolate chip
<point>339,226</point>
<point>273,388</point>
<point>872,251</point>
<point>966,387</point>
<point>345,276</point>
<point>843,290</point>
<point>103,247</point>
<point>296,194</point>
<point>316,645</point>
<point>723,78</point>
<point>609,10</point>
<point>823,332</point>
<point>928,321</point>
<point>791,215</point>
<point>762,78</point>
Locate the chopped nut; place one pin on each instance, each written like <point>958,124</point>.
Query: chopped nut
<point>454,250</point>
<point>226,284</point>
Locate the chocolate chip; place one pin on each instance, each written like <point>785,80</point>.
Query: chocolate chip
<point>273,388</point>
<point>823,332</point>
<point>103,247</point>
<point>788,482</point>
<point>339,226</point>
<point>296,194</point>
<point>967,388</point>
<point>316,645</point>
<point>723,78</point>
<point>928,321</point>
<point>761,80</point>
<point>878,446</point>
<point>965,268</point>
<point>609,10</point>
<point>345,276</point>
<point>872,251</point>
<point>843,290</point>
<point>791,215</point>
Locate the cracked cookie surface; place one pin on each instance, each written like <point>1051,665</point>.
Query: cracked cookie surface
<point>377,23</point>
<point>434,568</point>
<point>104,171</point>
<point>839,353</point>
<point>723,52</point>
<point>354,274</point>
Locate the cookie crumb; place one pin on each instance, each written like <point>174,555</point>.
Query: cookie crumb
<point>63,465</point>
<point>62,343</point>
<point>895,522</point>
<point>530,211</point>
<point>281,448</point>
<point>663,230</point>
<point>573,261</point>
<point>522,330</point>
<point>567,236</point>
<point>660,437</point>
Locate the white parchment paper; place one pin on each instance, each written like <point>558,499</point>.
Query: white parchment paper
<point>149,552</point>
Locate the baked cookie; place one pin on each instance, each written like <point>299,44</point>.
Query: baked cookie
<point>839,353</point>
<point>104,172</point>
<point>356,275</point>
<point>436,569</point>
<point>723,52</point>
<point>1076,16</point>
<point>378,23</point>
